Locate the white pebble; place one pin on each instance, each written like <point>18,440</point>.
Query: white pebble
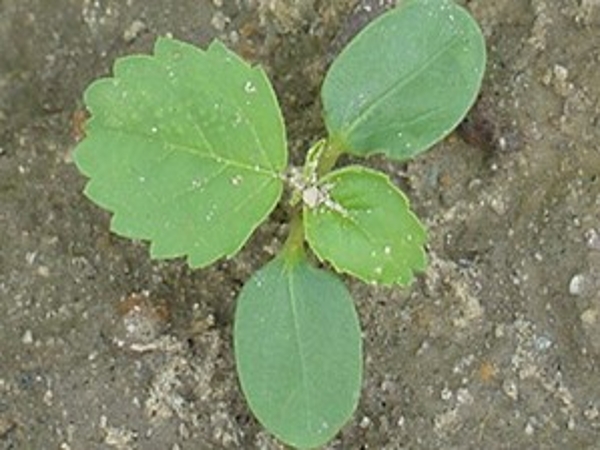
<point>577,285</point>
<point>365,422</point>
<point>529,429</point>
<point>134,30</point>
<point>27,337</point>
<point>589,317</point>
<point>510,389</point>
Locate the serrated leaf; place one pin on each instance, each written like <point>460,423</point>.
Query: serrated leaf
<point>298,351</point>
<point>405,81</point>
<point>186,148</point>
<point>364,226</point>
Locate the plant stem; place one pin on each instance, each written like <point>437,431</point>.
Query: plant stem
<point>293,249</point>
<point>332,151</point>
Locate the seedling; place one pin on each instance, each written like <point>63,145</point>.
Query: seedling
<point>187,149</point>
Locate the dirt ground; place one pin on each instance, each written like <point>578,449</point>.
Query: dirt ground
<point>497,346</point>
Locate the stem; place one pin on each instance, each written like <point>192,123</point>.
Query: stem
<point>325,159</point>
<point>293,249</point>
<point>329,157</point>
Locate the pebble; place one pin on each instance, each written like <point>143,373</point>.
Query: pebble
<point>464,397</point>
<point>498,206</point>
<point>133,31</point>
<point>542,343</point>
<point>446,394</point>
<point>561,72</point>
<point>529,429</point>
<point>577,285</point>
<point>592,239</point>
<point>510,389</point>
<point>591,413</point>
<point>27,337</point>
<point>365,422</point>
<point>219,21</point>
<point>589,317</point>
<point>184,431</point>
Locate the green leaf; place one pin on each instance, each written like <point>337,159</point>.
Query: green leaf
<point>298,351</point>
<point>363,226</point>
<point>405,81</point>
<point>186,148</point>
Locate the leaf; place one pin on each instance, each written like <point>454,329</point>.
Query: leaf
<point>365,227</point>
<point>298,351</point>
<point>186,148</point>
<point>405,81</point>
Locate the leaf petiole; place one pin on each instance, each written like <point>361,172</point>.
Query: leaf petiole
<point>293,248</point>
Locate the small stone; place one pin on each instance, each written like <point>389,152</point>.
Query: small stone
<point>184,431</point>
<point>48,396</point>
<point>510,389</point>
<point>542,343</point>
<point>142,320</point>
<point>133,31</point>
<point>219,21</point>
<point>234,37</point>
<point>561,72</point>
<point>43,271</point>
<point>592,239</point>
<point>365,422</point>
<point>447,421</point>
<point>577,285</point>
<point>529,429</point>
<point>589,317</point>
<point>499,331</point>
<point>591,413</point>
<point>464,397</point>
<point>446,394</point>
<point>589,321</point>
<point>498,206</point>
<point>27,337</point>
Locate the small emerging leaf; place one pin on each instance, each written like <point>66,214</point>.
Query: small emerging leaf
<point>405,81</point>
<point>298,351</point>
<point>365,227</point>
<point>186,148</point>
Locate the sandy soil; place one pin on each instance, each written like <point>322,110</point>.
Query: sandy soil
<point>497,346</point>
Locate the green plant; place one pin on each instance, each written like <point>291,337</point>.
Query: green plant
<point>187,149</point>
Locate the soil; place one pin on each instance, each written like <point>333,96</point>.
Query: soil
<point>497,345</point>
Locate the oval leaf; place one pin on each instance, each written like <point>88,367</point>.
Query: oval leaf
<point>186,148</point>
<point>298,351</point>
<point>405,81</point>
<point>363,226</point>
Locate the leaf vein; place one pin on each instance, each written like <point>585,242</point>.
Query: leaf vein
<point>368,107</point>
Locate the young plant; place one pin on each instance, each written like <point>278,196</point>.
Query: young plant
<point>187,149</point>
